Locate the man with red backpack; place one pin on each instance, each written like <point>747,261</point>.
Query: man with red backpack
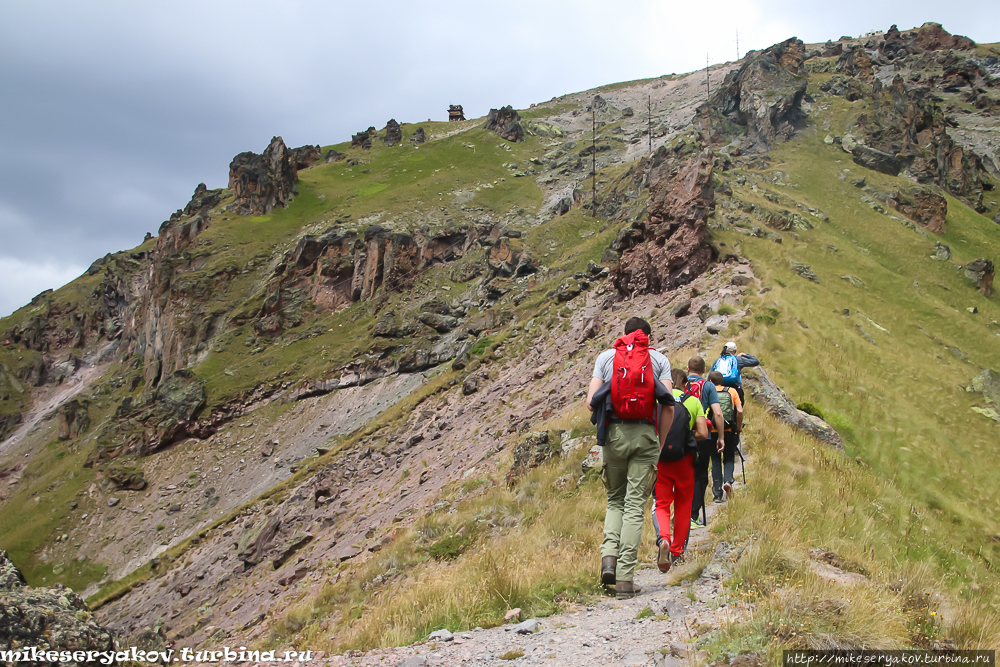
<point>630,395</point>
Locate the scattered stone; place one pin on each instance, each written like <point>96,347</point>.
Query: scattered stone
<point>854,280</point>
<point>942,253</point>
<point>527,627</point>
<point>441,636</point>
<point>804,270</point>
<point>512,614</point>
<point>113,501</point>
<point>470,386</point>
<point>124,478</point>
<point>681,309</point>
<point>593,460</point>
<point>858,182</point>
<point>981,272</point>
<point>705,312</point>
<point>716,324</point>
<point>740,280</point>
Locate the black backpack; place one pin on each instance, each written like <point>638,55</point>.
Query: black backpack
<point>680,439</point>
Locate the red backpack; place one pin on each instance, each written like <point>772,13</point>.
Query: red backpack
<point>694,388</point>
<point>633,388</point>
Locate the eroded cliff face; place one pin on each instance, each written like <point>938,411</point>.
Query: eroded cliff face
<point>264,181</point>
<point>670,247</point>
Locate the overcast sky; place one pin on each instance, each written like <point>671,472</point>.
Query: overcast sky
<point>112,112</point>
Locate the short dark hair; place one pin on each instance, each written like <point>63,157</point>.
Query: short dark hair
<point>696,364</point>
<point>635,324</point>
<point>715,377</point>
<point>678,377</point>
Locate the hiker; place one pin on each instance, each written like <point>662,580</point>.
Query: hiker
<point>709,449</point>
<point>675,474</point>
<point>628,382</point>
<point>732,412</point>
<point>730,364</point>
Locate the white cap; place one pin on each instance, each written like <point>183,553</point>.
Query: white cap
<point>731,346</point>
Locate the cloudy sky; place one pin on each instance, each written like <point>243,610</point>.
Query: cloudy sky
<point>112,112</point>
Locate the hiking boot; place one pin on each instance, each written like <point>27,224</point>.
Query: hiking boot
<point>663,558</point>
<point>727,489</point>
<point>675,559</point>
<point>608,566</point>
<point>720,500</point>
<point>626,590</point>
<point>696,523</point>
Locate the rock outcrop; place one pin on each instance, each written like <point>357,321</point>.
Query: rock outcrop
<point>532,452</point>
<point>981,272</point>
<point>923,205</point>
<point>506,122</point>
<point>763,388</point>
<point>418,136</point>
<point>48,619</point>
<point>304,157</point>
<point>393,133</point>
<point>764,95</point>
<point>74,419</point>
<point>668,249</point>
<point>263,181</point>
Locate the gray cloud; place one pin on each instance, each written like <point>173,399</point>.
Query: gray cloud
<point>113,111</point>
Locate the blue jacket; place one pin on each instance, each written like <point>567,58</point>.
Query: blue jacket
<point>601,402</point>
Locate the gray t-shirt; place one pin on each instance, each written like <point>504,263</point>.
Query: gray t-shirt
<point>604,366</point>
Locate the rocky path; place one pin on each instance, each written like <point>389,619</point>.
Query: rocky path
<point>657,627</point>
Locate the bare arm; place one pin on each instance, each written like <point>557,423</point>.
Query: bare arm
<point>739,418</point>
<point>720,425</point>
<point>666,419</point>
<point>595,384</point>
<point>701,429</point>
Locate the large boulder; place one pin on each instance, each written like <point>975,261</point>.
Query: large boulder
<point>669,248</point>
<point>981,272</point>
<point>506,122</point>
<point>48,619</point>
<point>263,181</point>
<point>876,160</point>
<point>305,156</point>
<point>987,383</point>
<point>775,401</point>
<point>765,95</point>
<point>74,419</point>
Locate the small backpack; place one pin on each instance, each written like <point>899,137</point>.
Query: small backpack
<point>728,409</point>
<point>633,387</point>
<point>694,388</point>
<point>729,366</point>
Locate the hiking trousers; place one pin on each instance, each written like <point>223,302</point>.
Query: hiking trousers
<point>724,466</point>
<point>701,463</point>
<point>630,467</point>
<point>674,485</point>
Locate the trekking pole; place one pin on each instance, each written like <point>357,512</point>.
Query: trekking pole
<point>743,464</point>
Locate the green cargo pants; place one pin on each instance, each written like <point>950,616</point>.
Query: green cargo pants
<point>630,457</point>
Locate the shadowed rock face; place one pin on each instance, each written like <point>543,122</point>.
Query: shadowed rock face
<point>55,618</point>
<point>305,156</point>
<point>765,95</point>
<point>506,122</point>
<point>981,272</point>
<point>263,181</point>
<point>393,133</point>
<point>668,249</point>
<point>923,205</point>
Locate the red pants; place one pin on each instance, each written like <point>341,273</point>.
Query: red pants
<point>674,484</point>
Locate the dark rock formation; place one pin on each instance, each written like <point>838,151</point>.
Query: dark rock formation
<point>506,122</point>
<point>923,205</point>
<point>74,419</point>
<point>123,478</point>
<point>393,133</point>
<point>532,452</point>
<point>334,156</point>
<point>668,249</point>
<point>49,619</point>
<point>202,200</point>
<point>804,270</point>
<point>876,160</point>
<point>763,388</point>
<point>8,423</point>
<point>263,181</point>
<point>929,37</point>
<point>304,157</point>
<point>418,136</point>
<point>981,272</point>
<point>765,94</point>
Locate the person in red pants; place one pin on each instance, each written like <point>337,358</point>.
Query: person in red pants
<point>675,475</point>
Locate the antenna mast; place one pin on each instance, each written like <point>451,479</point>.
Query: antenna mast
<point>708,78</point>
<point>737,43</point>
<point>593,146</point>
<point>649,116</point>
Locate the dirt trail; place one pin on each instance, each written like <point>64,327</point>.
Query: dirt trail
<point>608,632</point>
